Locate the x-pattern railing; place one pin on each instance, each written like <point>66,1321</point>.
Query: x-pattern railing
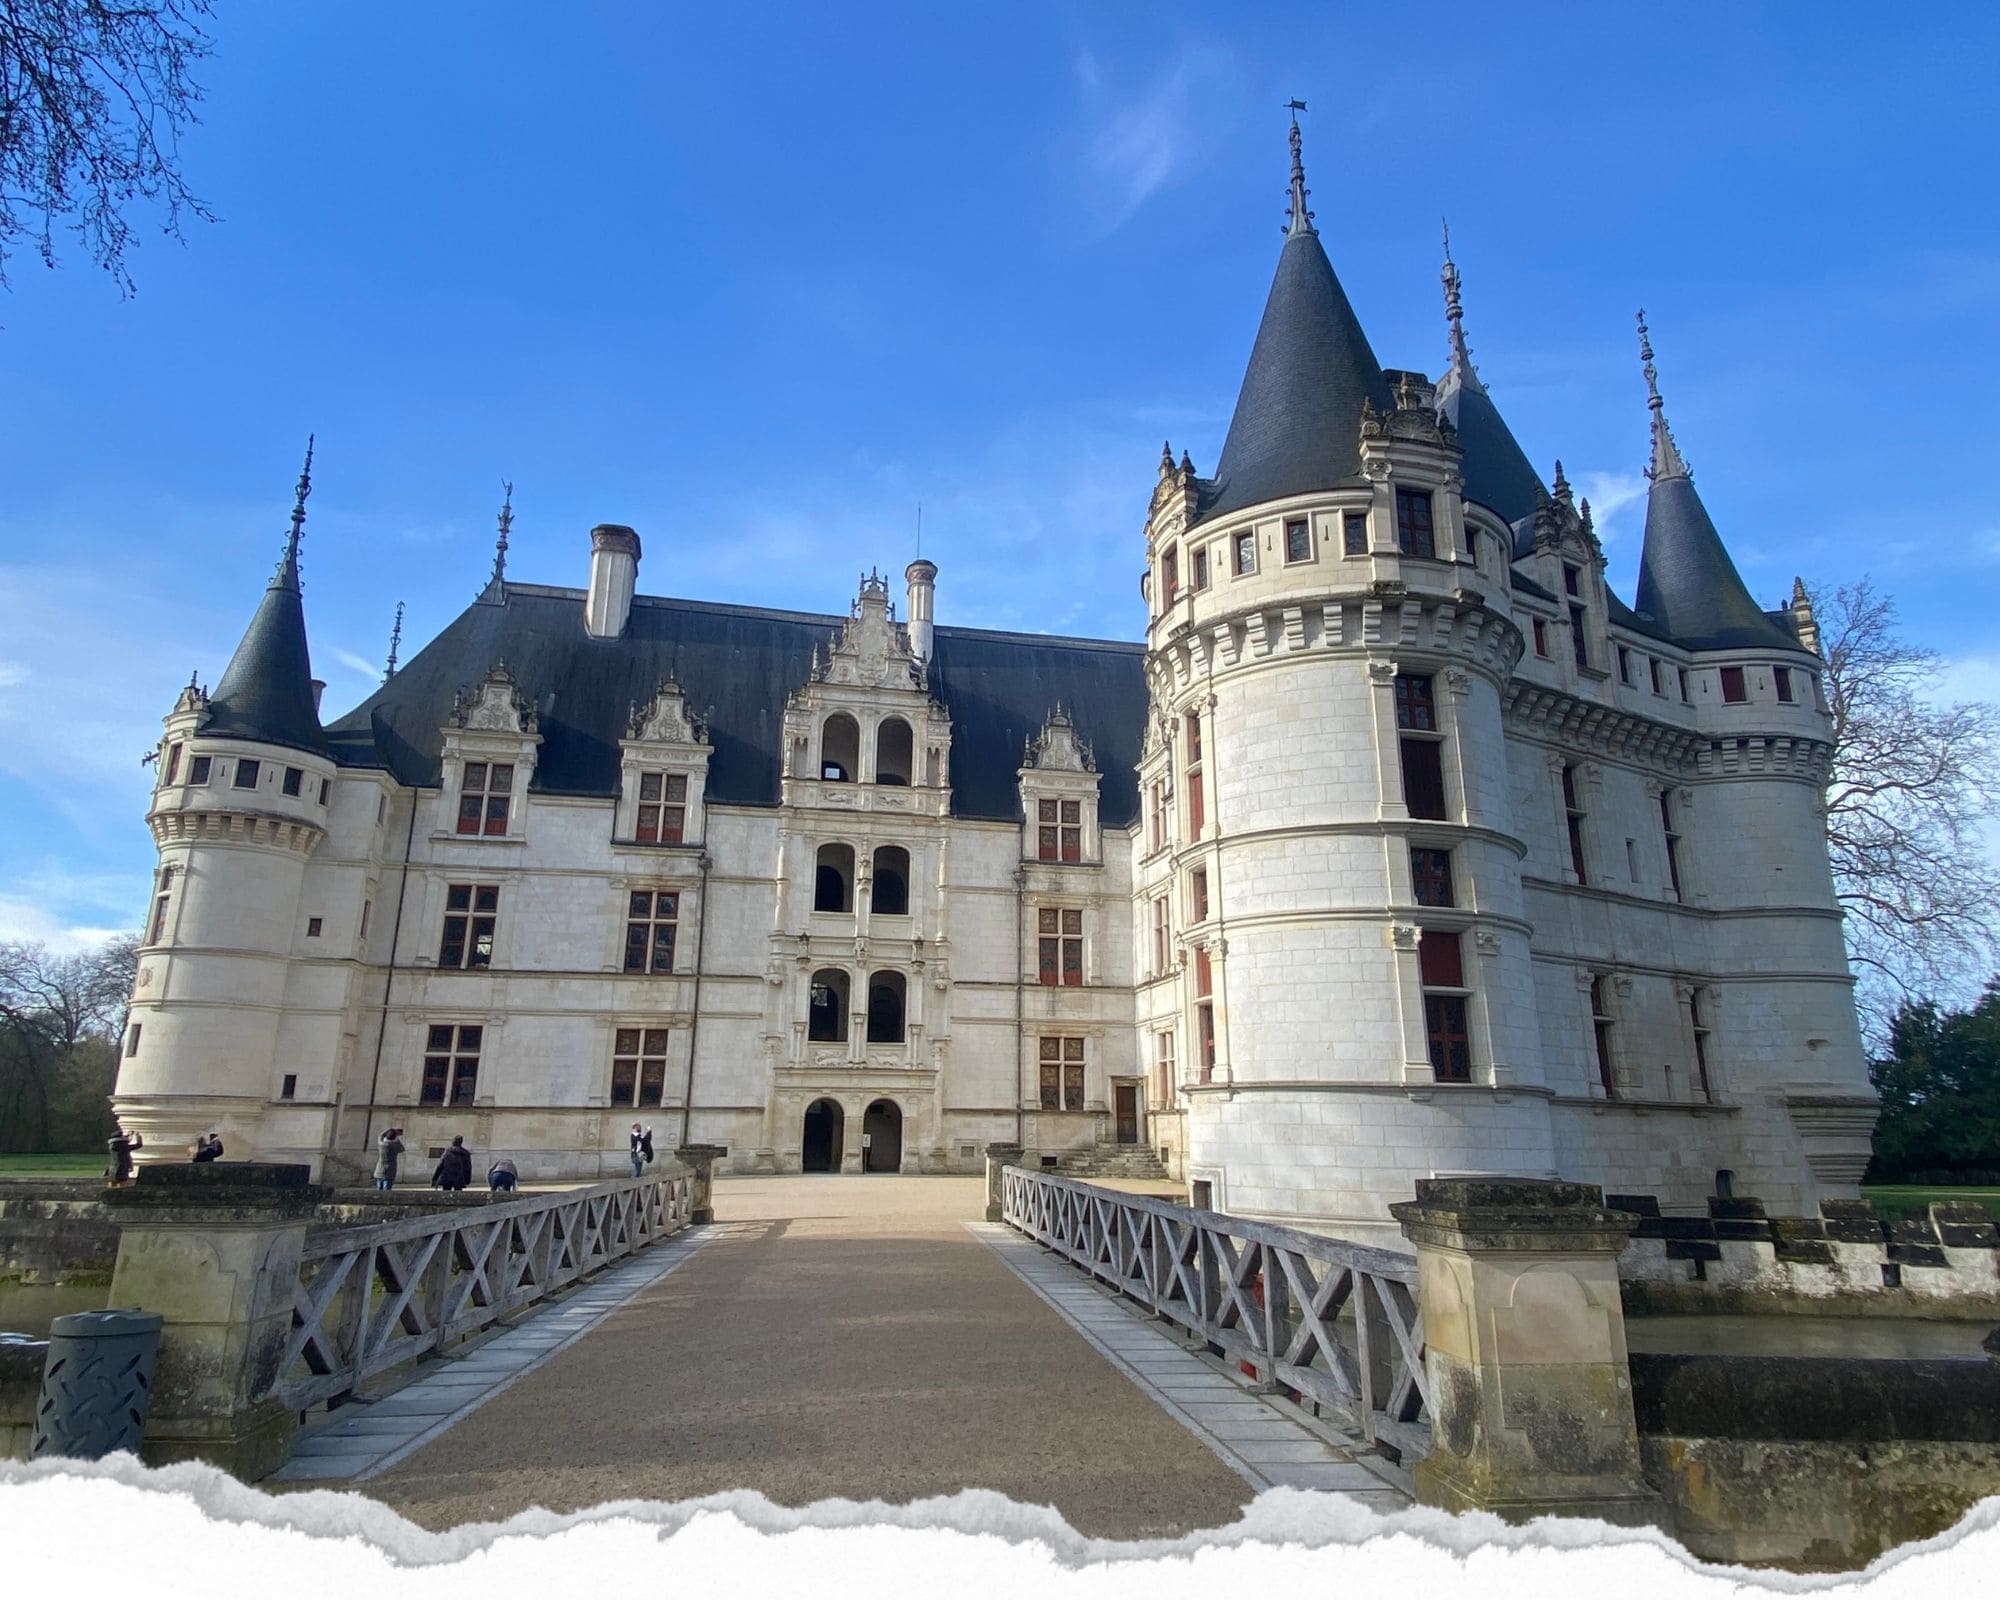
<point>1333,1321</point>
<point>370,1298</point>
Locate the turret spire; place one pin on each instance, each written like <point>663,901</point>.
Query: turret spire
<point>1454,316</point>
<point>1301,218</point>
<point>1667,462</point>
<point>287,576</point>
<point>506,523</point>
<point>395,642</point>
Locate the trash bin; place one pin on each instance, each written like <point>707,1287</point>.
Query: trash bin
<point>97,1381</point>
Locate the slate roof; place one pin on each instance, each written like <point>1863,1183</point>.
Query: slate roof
<point>1496,468</point>
<point>737,666</point>
<point>1688,586</point>
<point>266,690</point>
<point>1297,424</point>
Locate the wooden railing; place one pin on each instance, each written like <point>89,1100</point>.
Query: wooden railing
<point>1336,1323</point>
<point>373,1297</point>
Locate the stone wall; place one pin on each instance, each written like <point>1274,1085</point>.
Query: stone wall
<point>57,1248</point>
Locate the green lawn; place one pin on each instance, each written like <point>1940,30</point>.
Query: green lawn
<point>55,1164</point>
<point>1909,1199</point>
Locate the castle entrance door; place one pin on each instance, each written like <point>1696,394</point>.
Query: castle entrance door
<point>882,1137</point>
<point>821,1149</point>
<point>1128,1112</point>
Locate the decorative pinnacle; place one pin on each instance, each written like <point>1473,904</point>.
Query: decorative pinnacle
<point>1301,219</point>
<point>1454,312</point>
<point>506,523</point>
<point>395,642</point>
<point>305,487</point>
<point>1667,462</point>
<point>1561,483</point>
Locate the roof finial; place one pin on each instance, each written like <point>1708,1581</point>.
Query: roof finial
<point>1454,313</point>
<point>1302,219</point>
<point>288,569</point>
<point>395,642</point>
<point>1667,462</point>
<point>506,524</point>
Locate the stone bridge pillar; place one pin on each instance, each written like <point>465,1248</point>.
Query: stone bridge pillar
<point>702,1159</point>
<point>215,1250</point>
<point>1531,1397</point>
<point>999,1157</point>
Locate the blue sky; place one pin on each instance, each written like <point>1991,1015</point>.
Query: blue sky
<point>760,280</point>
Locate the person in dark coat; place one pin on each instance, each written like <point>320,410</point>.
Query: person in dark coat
<point>388,1153</point>
<point>208,1147</point>
<point>502,1176</point>
<point>642,1149</point>
<point>454,1168</point>
<point>121,1145</point>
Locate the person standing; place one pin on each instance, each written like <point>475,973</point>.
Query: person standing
<point>642,1149</point>
<point>121,1145</point>
<point>388,1156</point>
<point>454,1168</point>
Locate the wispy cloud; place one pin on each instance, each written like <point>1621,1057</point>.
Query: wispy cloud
<point>1616,502</point>
<point>360,666</point>
<point>1140,139</point>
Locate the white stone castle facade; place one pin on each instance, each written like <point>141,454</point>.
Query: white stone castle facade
<point>1400,847</point>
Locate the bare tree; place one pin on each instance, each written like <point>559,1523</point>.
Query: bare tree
<point>49,1006</point>
<point>1913,781</point>
<point>94,96</point>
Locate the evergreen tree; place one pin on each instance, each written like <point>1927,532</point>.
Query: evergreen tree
<point>1940,1089</point>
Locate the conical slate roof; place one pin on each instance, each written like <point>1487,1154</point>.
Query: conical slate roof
<point>1297,426</point>
<point>266,691</point>
<point>1496,469</point>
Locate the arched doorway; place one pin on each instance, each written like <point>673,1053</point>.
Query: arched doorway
<point>882,1137</point>
<point>820,1151</point>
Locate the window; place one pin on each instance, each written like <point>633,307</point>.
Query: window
<point>451,1064</point>
<point>1541,638</point>
<point>1442,972</point>
<point>1422,751</point>
<point>651,917</point>
<point>1600,1027</point>
<point>1061,934</point>
<point>840,749</point>
<point>1734,690</point>
<point>1413,524</point>
<point>1170,575</point>
<point>132,1039</point>
<point>157,926</point>
<point>826,1010</point>
<point>1672,835</point>
<point>1354,533</point>
<point>890,896</point>
<point>198,769</point>
<point>366,907</point>
<point>1430,876</point>
<point>1573,815</point>
<point>1579,643</point>
<point>1163,1069</point>
<point>294,781</point>
<point>1781,680</point>
<point>1572,581</point>
<point>1198,893</point>
<point>1163,937</point>
<point>1059,830</point>
<point>1244,546</point>
<point>1697,1021</point>
<point>895,752</point>
<point>662,807</point>
<point>1683,671</point>
<point>1195,812</point>
<point>1298,541</point>
<point>1157,808</point>
<point>313,925</point>
<point>484,796</point>
<point>638,1066</point>
<point>325,789</point>
<point>1624,665</point>
<point>833,878</point>
<point>173,763</point>
<point>1062,1073</point>
<point>246,774</point>
<point>1198,564</point>
<point>1204,1011</point>
<point>470,912</point>
<point>288,1086</point>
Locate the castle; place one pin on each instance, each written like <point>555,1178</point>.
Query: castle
<point>1400,847</point>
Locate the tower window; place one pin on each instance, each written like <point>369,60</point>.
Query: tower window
<point>1195,813</point>
<point>288,1086</point>
<point>1170,574</point>
<point>325,790</point>
<point>295,780</point>
<point>1781,680</point>
<point>156,927</point>
<point>1421,749</point>
<point>1244,546</point>
<point>1653,666</point>
<point>1624,665</point>
<point>651,918</point>
<point>247,773</point>
<point>470,913</point>
<point>451,1064</point>
<point>1579,642</point>
<point>1672,836</point>
<point>1062,1073</point>
<point>1442,971</point>
<point>1059,830</point>
<point>1198,569</point>
<point>1413,524</point>
<point>1430,877</point>
<point>1541,638</point>
<point>132,1038</point>
<point>1572,581</point>
<point>1683,671</point>
<point>1204,1012</point>
<point>1163,936</point>
<point>639,1066</point>
<point>1698,1022</point>
<point>662,807</point>
<point>484,796</point>
<point>1734,690</point>
<point>1298,541</point>
<point>198,769</point>
<point>1060,931</point>
<point>1198,893</point>
<point>173,763</point>
<point>1573,815</point>
<point>1354,533</point>
<point>1164,1069</point>
<point>313,925</point>
<point>1600,1027</point>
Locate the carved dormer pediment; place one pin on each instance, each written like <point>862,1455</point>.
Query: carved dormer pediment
<point>496,706</point>
<point>1561,526</point>
<point>873,650</point>
<point>665,719</point>
<point>192,702</point>
<point>1058,749</point>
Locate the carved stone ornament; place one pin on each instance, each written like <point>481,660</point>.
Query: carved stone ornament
<point>1057,748</point>
<point>1404,936</point>
<point>665,719</point>
<point>1382,673</point>
<point>496,706</point>
<point>1487,942</point>
<point>873,650</point>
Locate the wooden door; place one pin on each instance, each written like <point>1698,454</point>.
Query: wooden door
<point>1128,1113</point>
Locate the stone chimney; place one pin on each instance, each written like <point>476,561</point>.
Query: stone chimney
<point>922,576</point>
<point>614,575</point>
<point>318,688</point>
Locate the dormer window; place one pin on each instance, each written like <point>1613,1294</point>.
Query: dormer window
<point>1579,643</point>
<point>662,807</point>
<point>484,796</point>
<point>1059,830</point>
<point>1572,581</point>
<point>1414,536</point>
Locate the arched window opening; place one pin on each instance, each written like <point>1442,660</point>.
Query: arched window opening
<point>833,878</point>
<point>840,749</point>
<point>885,1008</point>
<point>892,882</point>
<point>895,752</point>
<point>826,1015</point>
